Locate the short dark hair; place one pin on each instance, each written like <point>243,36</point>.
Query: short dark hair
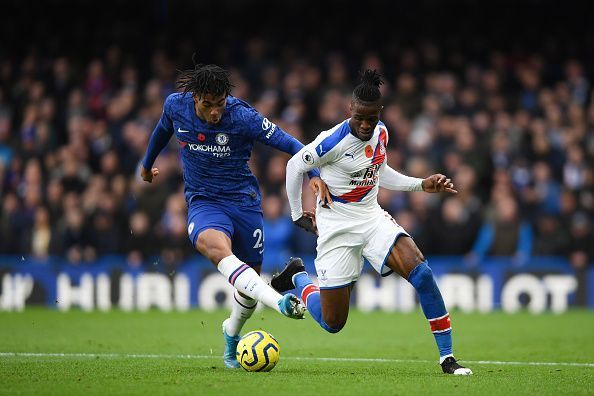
<point>368,89</point>
<point>205,79</point>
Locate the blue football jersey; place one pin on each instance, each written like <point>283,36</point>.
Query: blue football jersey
<point>215,157</point>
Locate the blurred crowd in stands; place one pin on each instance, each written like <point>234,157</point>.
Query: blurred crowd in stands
<point>515,133</point>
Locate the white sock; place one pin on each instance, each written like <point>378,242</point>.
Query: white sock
<point>242,309</point>
<point>248,282</point>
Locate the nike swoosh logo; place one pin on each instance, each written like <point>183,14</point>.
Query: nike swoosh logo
<point>261,251</point>
<point>182,130</point>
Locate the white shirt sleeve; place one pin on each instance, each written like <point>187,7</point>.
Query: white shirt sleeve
<point>393,180</point>
<point>302,162</point>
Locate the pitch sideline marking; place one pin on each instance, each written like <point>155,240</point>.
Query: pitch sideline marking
<point>372,360</point>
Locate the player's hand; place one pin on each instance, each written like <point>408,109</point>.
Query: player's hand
<point>438,183</point>
<point>307,222</point>
<point>320,188</point>
<point>312,216</point>
<point>147,175</point>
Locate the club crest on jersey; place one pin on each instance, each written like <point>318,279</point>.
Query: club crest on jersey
<point>222,138</point>
<point>323,276</point>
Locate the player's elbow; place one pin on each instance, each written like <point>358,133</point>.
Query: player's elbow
<point>292,164</point>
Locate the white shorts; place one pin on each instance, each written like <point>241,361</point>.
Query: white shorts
<point>344,242</point>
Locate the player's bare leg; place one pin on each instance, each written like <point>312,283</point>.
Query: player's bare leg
<point>335,306</point>
<point>407,260</point>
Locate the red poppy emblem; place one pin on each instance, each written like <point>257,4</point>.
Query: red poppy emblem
<point>201,137</point>
<point>368,151</point>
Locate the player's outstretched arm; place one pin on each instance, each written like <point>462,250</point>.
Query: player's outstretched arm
<point>438,183</point>
<point>396,181</point>
<point>157,142</point>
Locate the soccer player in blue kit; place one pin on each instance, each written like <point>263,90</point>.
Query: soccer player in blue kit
<point>216,133</point>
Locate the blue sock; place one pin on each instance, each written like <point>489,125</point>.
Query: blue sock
<point>421,277</point>
<point>310,295</point>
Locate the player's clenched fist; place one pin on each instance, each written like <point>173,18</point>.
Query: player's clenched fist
<point>147,175</point>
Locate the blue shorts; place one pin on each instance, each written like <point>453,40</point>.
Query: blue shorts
<point>243,225</point>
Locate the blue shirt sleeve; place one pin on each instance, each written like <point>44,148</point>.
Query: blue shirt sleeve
<point>265,131</point>
<point>160,137</point>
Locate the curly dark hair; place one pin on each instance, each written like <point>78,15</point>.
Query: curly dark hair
<point>205,79</point>
<point>368,89</point>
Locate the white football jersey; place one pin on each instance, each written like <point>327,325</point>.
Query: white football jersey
<point>349,166</point>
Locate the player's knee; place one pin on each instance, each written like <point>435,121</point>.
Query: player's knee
<point>212,250</point>
<point>333,323</point>
<point>202,243</point>
<point>421,276</point>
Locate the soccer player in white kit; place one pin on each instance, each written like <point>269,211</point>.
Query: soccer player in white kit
<point>352,226</point>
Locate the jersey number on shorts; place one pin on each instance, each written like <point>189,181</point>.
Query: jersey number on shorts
<point>259,239</point>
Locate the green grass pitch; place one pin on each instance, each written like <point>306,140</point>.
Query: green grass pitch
<point>44,351</point>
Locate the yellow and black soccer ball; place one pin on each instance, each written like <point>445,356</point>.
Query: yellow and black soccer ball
<point>258,351</point>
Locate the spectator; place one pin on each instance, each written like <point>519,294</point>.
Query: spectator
<point>104,234</point>
<point>503,235</point>
<point>38,240</point>
<point>10,229</point>
<point>541,196</point>
<point>453,230</point>
<point>550,238</point>
<point>75,242</point>
<point>140,242</point>
<point>581,248</point>
<point>581,252</point>
<point>278,232</point>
